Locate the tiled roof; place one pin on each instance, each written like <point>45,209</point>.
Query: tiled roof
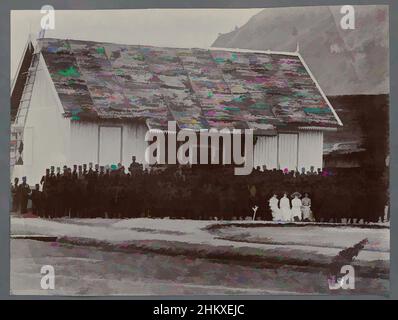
<point>199,88</point>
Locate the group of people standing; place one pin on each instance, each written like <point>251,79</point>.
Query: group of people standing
<point>21,193</point>
<point>202,192</point>
<point>298,210</point>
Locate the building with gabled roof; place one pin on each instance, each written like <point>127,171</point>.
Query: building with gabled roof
<point>94,102</point>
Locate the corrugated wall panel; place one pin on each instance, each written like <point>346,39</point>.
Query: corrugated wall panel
<point>266,152</point>
<point>84,143</point>
<point>287,151</point>
<point>84,138</point>
<point>134,143</point>
<point>310,150</point>
<point>110,145</point>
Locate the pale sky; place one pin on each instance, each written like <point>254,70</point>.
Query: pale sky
<point>158,27</point>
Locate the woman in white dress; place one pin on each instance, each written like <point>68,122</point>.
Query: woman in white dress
<point>296,207</point>
<point>273,205</point>
<point>306,208</point>
<point>284,204</point>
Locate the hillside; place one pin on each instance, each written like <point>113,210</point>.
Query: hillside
<point>343,61</point>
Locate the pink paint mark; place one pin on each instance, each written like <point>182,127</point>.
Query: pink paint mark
<point>381,15</point>
<point>326,173</point>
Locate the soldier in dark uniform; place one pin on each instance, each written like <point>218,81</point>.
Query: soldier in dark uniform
<point>55,196</point>
<point>73,192</point>
<point>61,189</point>
<point>24,191</point>
<point>82,196</point>
<point>37,201</point>
<point>120,169</point>
<point>15,196</point>
<point>74,172</point>
<point>90,168</point>
<point>45,186</point>
<point>91,197</point>
<point>135,167</point>
<point>45,178</point>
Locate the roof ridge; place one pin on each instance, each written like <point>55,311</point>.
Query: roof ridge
<point>289,53</point>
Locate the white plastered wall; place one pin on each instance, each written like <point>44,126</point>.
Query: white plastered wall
<point>46,133</point>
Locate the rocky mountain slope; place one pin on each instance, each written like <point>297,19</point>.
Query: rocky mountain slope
<point>344,61</point>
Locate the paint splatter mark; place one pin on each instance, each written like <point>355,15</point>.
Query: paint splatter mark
<point>139,57</point>
<point>316,110</point>
<point>259,105</point>
<point>70,72</point>
<point>232,109</point>
<point>100,50</point>
<point>238,99</point>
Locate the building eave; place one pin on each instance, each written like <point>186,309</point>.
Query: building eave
<point>318,128</point>
<point>340,123</point>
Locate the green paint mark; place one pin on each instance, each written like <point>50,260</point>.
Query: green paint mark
<point>139,57</point>
<point>239,99</point>
<point>234,56</point>
<point>268,66</point>
<point>219,60</point>
<point>301,70</point>
<point>209,94</point>
<point>100,50</point>
<point>285,99</point>
<point>317,110</point>
<point>232,108</point>
<point>70,72</point>
<point>168,58</point>
<point>259,105</point>
<point>302,94</point>
<point>119,72</point>
<point>75,115</point>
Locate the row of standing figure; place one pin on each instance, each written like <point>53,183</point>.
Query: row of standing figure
<point>298,210</point>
